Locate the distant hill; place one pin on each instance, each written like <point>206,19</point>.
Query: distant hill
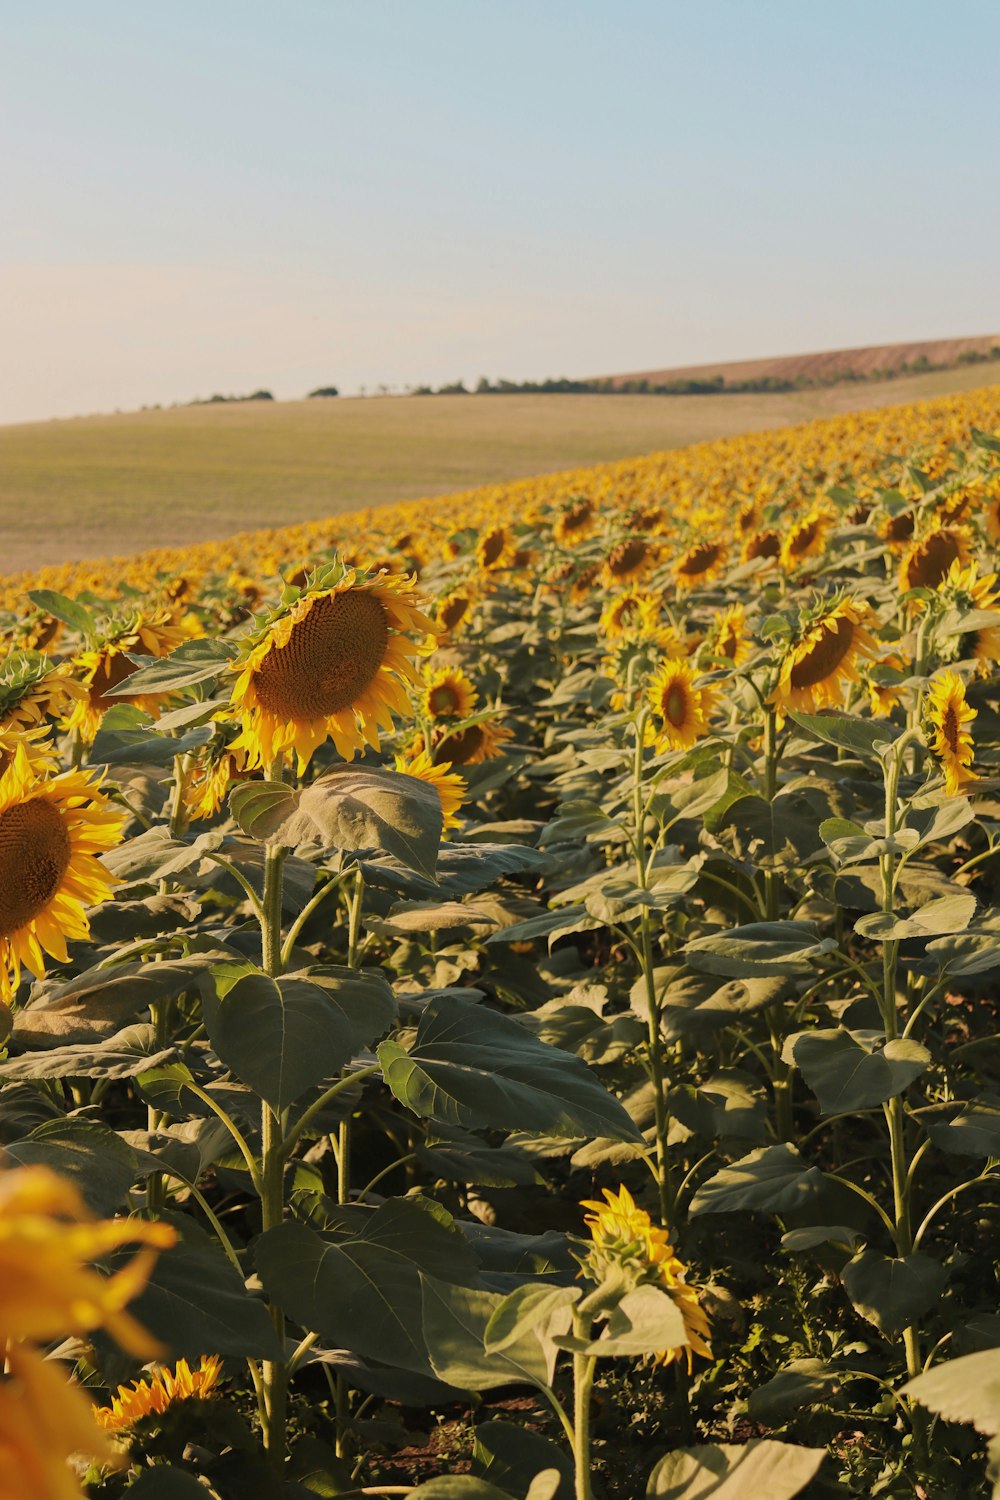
<point>872,362</point>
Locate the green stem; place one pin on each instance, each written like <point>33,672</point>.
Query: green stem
<point>273,1155</point>
<point>300,921</point>
<point>655,1046</point>
<point>293,1136</point>
<point>584,1367</point>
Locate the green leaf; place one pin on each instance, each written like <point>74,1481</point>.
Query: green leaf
<point>945,915</point>
<point>281,1036</point>
<point>455,1319</point>
<point>528,1308</point>
<point>129,1052</point>
<point>143,746</point>
<point>194,661</point>
<point>861,736</point>
<point>776,835</point>
<point>893,1293</point>
<point>847,1070</point>
<point>759,950</point>
<point>975,1131</point>
<point>166,1482</point>
<point>458,1487</point>
<point>802,1383</point>
<point>645,1321</point>
<point>96,1004</point>
<point>472,1067</point>
<point>196,1304</point>
<point>773,1178</point>
<point>349,808</point>
<point>361,1290</point>
<point>760,1470</point>
<point>515,1456</point>
<point>70,611</point>
<point>963,1390</point>
<point>91,1155</point>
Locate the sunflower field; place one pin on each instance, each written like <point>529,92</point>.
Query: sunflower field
<point>500,993</point>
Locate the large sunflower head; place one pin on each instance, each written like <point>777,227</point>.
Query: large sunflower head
<point>447,693</point>
<point>104,667</point>
<point>330,663</point>
<point>929,558</point>
<point>699,564</point>
<point>450,787</point>
<point>51,832</point>
<point>627,1246</point>
<point>823,656</point>
<point>681,708</point>
<point>947,715</point>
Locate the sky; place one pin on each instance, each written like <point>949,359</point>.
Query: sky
<point>222,195</point>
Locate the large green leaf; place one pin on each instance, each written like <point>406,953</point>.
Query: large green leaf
<point>129,1052</point>
<point>974,1131</point>
<point>893,1293</point>
<point>95,1005</point>
<point>849,1070</point>
<point>361,1290</point>
<point>281,1036</point>
<point>944,915</point>
<point>514,1456</point>
<point>349,808</point>
<point>70,611</point>
<point>90,1154</point>
<point>454,1322</point>
<point>862,736</point>
<point>645,1321</point>
<point>472,1067</point>
<point>774,1178</point>
<point>759,950</point>
<point>194,661</point>
<point>760,1470</point>
<point>963,1390</point>
<point>773,835</point>
<point>802,1383</point>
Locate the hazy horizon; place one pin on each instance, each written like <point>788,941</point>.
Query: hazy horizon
<point>200,202</point>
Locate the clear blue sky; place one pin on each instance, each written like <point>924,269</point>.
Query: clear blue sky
<point>215,195</point>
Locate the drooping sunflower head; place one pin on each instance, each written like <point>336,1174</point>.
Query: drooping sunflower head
<point>575,520</point>
<point>928,559</point>
<point>218,765</point>
<point>805,538</point>
<point>765,545</point>
<point>823,656</point>
<point>51,832</point>
<point>162,1389</point>
<point>948,713</point>
<point>481,740</point>
<point>105,666</point>
<point>452,610</point>
<point>450,787</point>
<point>447,693</point>
<point>681,708</point>
<point>33,689</point>
<point>728,638</point>
<point>495,549</point>
<point>632,613</point>
<point>332,662</point>
<point>699,564</point>
<point>625,1244</point>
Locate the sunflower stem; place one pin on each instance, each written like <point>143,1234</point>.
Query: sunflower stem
<point>584,1367</point>
<point>272,1170</point>
<point>781,1072</point>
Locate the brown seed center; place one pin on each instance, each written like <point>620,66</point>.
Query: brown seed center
<point>675,705</point>
<point>110,673</point>
<point>34,854</point>
<point>823,659</point>
<point>331,656</point>
<point>443,701</point>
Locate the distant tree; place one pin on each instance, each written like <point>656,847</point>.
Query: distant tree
<point>324,390</point>
<point>457,388</point>
<point>483,386</point>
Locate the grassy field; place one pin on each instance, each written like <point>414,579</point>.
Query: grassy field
<point>112,484</point>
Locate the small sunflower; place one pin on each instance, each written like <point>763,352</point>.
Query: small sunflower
<point>884,681</point>
<point>495,549</point>
<point>51,832</point>
<point>630,613</point>
<point>991,513</point>
<point>699,564</point>
<point>762,544</point>
<point>805,538</point>
<point>331,664</point>
<point>626,1245</point>
<point>728,637</point>
<point>928,559</point>
<point>450,787</point>
<point>965,591</point>
<point>897,531</point>
<point>948,713</point>
<point>217,767</point>
<point>575,520</point>
<point>471,745</point>
<point>447,693</point>
<point>824,657</point>
<point>164,1388</point>
<point>106,666</point>
<point>452,609</point>
<point>627,560</point>
<point>583,581</point>
<point>34,688</point>
<point>681,708</point>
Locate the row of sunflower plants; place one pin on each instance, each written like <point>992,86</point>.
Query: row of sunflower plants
<point>507,997</point>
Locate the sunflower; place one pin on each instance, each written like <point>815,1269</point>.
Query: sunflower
<point>164,1388</point>
<point>927,560</point>
<point>965,591</point>
<point>453,608</point>
<point>630,613</point>
<point>575,520</point>
<point>805,538</point>
<point>331,664</point>
<point>991,513</point>
<point>447,693</point>
<point>699,564</point>
<point>896,531</point>
<point>50,834</point>
<point>626,1246</point>
<point>583,580</point>
<point>33,688</point>
<point>105,667</point>
<point>764,544</point>
<point>218,765</point>
<point>38,747</point>
<point>472,745</point>
<point>728,637</point>
<point>45,1423</point>
<point>450,787</point>
<point>627,560</point>
<point>948,713</point>
<point>495,549</point>
<point>681,707</point>
<point>824,657</point>
<point>884,681</point>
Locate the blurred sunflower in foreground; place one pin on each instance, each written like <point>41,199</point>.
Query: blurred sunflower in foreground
<point>51,832</point>
<point>48,1289</point>
<point>626,1243</point>
<point>333,662</point>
